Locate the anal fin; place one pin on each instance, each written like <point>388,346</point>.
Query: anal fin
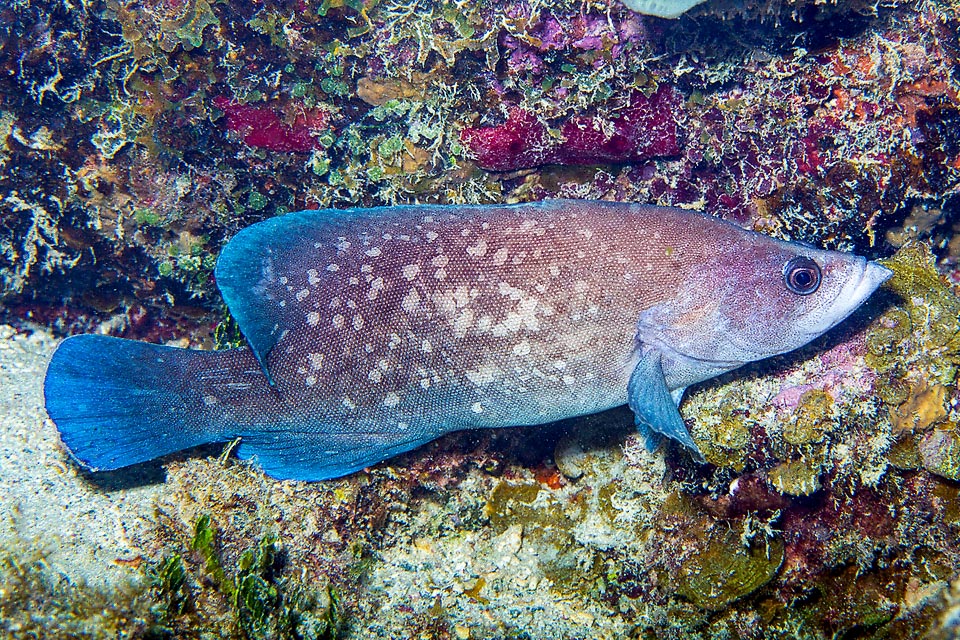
<point>287,452</point>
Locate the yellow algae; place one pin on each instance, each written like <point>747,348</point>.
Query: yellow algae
<point>812,418</point>
<point>795,478</point>
<point>924,406</point>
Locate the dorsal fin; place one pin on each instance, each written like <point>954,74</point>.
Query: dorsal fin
<point>250,272</point>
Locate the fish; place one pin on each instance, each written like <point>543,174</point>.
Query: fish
<point>371,331</point>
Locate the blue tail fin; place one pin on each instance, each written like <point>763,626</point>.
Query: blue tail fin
<point>119,402</point>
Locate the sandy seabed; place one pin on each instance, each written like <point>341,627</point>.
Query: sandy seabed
<point>81,529</point>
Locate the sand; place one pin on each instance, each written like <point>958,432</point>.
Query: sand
<point>81,526</point>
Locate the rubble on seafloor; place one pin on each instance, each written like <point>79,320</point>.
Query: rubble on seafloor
<point>135,137</point>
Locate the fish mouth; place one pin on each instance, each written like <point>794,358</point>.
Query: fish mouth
<point>853,294</point>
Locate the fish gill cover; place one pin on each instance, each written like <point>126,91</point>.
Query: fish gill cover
<point>136,138</point>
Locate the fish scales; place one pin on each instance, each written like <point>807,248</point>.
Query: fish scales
<point>372,331</point>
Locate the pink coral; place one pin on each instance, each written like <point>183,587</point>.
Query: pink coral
<point>646,128</point>
<point>264,129</point>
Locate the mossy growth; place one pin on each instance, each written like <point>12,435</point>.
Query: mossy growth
<point>812,418</point>
<point>724,569</point>
<point>227,334</point>
<point>548,525</point>
<point>727,438</point>
<point>915,349</point>
<point>796,478</point>
<point>261,602</point>
<point>923,328</point>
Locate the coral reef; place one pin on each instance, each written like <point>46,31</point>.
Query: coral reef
<point>135,137</point>
<point>646,128</point>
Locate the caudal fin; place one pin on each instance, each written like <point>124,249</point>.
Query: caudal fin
<point>119,402</point>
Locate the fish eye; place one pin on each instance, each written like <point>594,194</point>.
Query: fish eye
<point>801,275</point>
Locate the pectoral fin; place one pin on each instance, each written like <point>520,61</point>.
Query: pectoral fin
<point>655,407</point>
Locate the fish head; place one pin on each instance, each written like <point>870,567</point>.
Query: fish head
<point>759,299</point>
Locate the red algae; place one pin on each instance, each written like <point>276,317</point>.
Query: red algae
<point>264,129</point>
<point>646,128</point>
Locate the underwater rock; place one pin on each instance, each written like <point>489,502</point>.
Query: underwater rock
<point>940,452</point>
<point>725,570</point>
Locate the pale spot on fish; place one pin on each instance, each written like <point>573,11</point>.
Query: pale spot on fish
<point>376,287</point>
<point>426,347</point>
<point>391,400</point>
<point>522,348</point>
<point>479,249</point>
<point>358,322</point>
<point>313,277</point>
<point>485,374</point>
<point>210,400</point>
<point>316,360</point>
<point>310,381</point>
<point>484,323</point>
<point>375,376</point>
<point>463,321</point>
<point>411,301</point>
<point>338,321</point>
<point>500,257</point>
<point>373,252</point>
<point>302,294</point>
<point>332,268</point>
<point>411,271</point>
<point>348,403</point>
<point>440,260</point>
<point>440,274</point>
<point>477,407</point>
<point>313,318</point>
<point>462,296</point>
<point>506,290</point>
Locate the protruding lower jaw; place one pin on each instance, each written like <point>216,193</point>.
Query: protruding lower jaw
<point>857,291</point>
<point>874,275</point>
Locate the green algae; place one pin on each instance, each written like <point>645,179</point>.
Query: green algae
<point>261,603</point>
<point>168,579</point>
<point>796,478</point>
<point>811,420</point>
<point>724,570</point>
